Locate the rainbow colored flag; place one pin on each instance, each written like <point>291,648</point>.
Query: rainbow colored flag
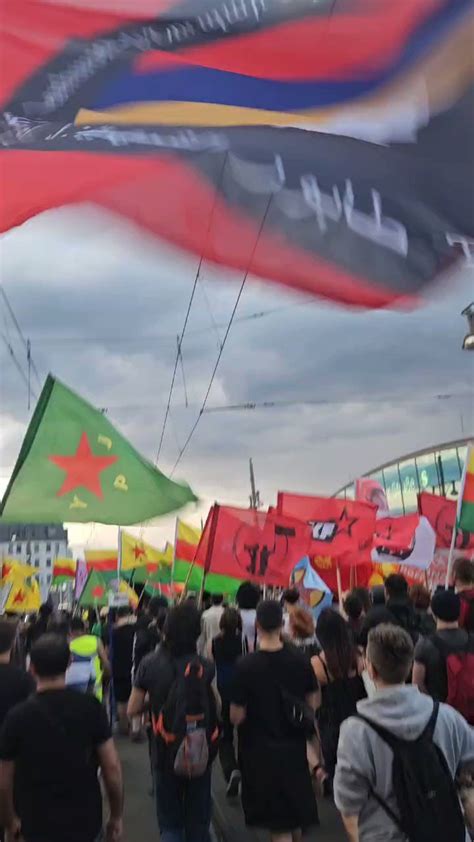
<point>466,505</point>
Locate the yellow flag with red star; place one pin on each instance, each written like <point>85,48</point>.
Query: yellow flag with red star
<point>23,598</point>
<point>137,553</point>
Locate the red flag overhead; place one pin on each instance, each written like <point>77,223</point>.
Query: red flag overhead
<point>441,513</point>
<point>248,544</point>
<point>396,535</point>
<point>341,529</point>
<point>297,126</point>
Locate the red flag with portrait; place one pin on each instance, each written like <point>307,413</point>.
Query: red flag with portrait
<point>247,544</point>
<point>441,514</point>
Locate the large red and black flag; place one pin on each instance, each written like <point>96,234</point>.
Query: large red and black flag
<point>340,529</point>
<point>263,547</point>
<point>338,134</point>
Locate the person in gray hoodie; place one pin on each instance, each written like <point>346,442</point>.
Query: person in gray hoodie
<point>364,760</point>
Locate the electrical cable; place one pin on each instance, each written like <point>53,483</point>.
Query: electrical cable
<point>17,364</point>
<point>20,334</point>
<point>223,344</point>
<point>190,303</point>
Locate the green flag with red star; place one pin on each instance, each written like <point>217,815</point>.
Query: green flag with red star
<point>94,593</point>
<point>75,466</point>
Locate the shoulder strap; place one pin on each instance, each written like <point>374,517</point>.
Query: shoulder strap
<point>391,740</point>
<point>430,728</point>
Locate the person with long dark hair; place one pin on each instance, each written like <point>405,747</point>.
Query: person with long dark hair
<point>227,648</point>
<point>338,669</point>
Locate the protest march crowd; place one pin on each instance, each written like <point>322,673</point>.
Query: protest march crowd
<point>372,706</point>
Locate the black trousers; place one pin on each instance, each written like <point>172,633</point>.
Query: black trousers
<point>226,748</point>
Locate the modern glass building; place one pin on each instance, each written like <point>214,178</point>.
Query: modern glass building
<point>437,469</point>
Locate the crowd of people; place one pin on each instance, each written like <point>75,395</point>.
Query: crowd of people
<point>371,706</point>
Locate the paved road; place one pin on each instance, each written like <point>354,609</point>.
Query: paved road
<point>140,821</point>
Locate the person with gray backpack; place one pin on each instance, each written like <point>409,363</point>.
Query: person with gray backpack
<point>186,728</point>
<point>398,758</point>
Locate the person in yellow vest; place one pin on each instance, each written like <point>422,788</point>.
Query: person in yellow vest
<point>89,664</point>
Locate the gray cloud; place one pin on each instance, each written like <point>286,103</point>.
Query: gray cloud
<point>103,303</point>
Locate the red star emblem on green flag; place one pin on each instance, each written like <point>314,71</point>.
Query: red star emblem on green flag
<point>151,568</point>
<point>83,469</point>
<point>97,592</point>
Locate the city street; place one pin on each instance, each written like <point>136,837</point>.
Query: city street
<point>140,820</point>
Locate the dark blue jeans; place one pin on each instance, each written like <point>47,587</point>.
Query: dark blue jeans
<point>183,807</point>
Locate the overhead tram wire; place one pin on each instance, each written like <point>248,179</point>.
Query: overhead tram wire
<point>190,304</point>
<point>167,338</point>
<point>18,365</point>
<point>20,333</point>
<point>224,340</point>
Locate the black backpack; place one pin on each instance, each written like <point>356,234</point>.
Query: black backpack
<point>428,804</point>
<point>187,727</point>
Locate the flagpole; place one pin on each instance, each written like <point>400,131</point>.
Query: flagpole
<point>119,553</point>
<point>210,549</point>
<point>456,522</point>
<point>173,565</point>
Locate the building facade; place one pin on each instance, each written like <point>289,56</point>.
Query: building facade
<point>436,469</point>
<point>35,544</point>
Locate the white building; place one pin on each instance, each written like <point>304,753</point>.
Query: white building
<point>37,544</point>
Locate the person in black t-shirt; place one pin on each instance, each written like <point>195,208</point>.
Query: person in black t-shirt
<point>121,661</point>
<point>15,685</point>
<point>277,792</point>
<point>51,746</point>
<point>183,804</point>
<point>148,630</point>
<point>431,653</point>
<point>227,648</point>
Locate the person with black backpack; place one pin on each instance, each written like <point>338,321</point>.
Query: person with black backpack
<point>185,726</point>
<point>398,758</point>
<point>444,661</point>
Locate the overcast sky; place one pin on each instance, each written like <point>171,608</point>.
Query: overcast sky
<point>102,304</point>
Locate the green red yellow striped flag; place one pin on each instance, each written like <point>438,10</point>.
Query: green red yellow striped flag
<point>64,570</point>
<point>187,541</point>
<point>466,510</point>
